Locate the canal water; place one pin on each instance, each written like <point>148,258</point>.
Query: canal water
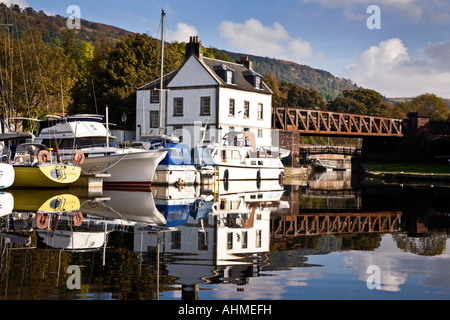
<point>331,236</point>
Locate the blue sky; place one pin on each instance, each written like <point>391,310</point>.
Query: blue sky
<point>409,54</point>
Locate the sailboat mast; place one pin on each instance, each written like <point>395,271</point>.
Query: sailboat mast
<point>163,16</point>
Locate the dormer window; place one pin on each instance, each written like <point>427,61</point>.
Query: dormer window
<point>253,78</point>
<point>225,73</point>
<point>257,82</point>
<point>229,78</point>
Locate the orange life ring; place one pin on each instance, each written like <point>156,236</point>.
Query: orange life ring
<point>41,221</point>
<point>44,156</point>
<point>79,157</point>
<point>78,219</point>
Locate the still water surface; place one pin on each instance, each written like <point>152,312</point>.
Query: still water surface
<point>325,238</point>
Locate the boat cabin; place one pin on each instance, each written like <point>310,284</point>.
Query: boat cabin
<point>28,153</point>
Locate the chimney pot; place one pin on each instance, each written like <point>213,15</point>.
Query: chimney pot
<point>194,47</point>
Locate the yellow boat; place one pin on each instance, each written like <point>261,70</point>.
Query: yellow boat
<point>44,200</point>
<point>33,167</point>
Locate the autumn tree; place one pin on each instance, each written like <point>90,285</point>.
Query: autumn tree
<point>35,78</point>
<point>278,97</point>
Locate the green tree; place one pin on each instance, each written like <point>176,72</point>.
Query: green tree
<point>371,99</point>
<point>347,105</point>
<point>299,97</point>
<point>426,103</point>
<point>432,105</point>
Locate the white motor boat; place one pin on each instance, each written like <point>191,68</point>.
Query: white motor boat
<point>128,167</point>
<point>238,159</point>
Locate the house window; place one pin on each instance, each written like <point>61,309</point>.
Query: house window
<point>260,111</point>
<point>154,96</point>
<point>154,119</point>
<point>232,108</point>
<point>175,241</point>
<point>260,133</point>
<point>178,106</point>
<point>205,106</point>
<point>202,241</point>
<point>230,240</point>
<point>178,132</point>
<point>258,238</point>
<point>246,109</point>
<point>244,240</point>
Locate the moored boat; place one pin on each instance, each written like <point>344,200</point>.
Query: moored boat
<point>238,159</point>
<point>177,167</point>
<point>33,167</point>
<point>129,167</point>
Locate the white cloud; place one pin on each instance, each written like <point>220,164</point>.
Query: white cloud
<point>22,3</point>
<point>182,33</point>
<point>389,69</point>
<point>253,37</point>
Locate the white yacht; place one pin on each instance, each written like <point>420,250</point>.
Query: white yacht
<point>128,167</point>
<point>238,159</point>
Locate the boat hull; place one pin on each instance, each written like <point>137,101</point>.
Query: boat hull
<point>7,175</point>
<point>176,175</point>
<point>46,175</point>
<point>243,172</point>
<point>126,169</point>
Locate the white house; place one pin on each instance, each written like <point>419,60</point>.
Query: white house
<point>225,96</point>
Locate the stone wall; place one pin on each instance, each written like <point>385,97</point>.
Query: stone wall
<point>291,141</point>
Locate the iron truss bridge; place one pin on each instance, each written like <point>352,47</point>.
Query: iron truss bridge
<point>316,122</point>
<point>335,223</point>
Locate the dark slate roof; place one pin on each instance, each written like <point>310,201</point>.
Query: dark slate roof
<point>242,76</point>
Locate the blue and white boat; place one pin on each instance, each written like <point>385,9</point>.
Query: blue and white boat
<point>177,167</point>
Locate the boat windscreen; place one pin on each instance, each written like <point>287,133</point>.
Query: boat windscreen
<point>202,157</point>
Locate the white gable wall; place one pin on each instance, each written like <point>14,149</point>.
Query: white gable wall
<point>192,74</point>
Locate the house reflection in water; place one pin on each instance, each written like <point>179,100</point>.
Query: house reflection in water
<point>221,242</point>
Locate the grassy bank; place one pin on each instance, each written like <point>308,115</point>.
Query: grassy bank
<point>405,167</point>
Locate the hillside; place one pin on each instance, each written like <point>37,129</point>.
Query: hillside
<point>327,84</point>
<point>52,28</point>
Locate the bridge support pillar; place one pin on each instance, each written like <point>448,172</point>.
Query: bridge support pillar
<point>290,140</point>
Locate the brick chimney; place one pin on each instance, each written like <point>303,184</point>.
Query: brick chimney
<point>246,62</point>
<point>194,47</point>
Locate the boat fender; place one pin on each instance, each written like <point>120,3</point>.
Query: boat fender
<point>41,221</point>
<point>78,219</point>
<point>44,156</point>
<point>225,179</point>
<point>281,178</point>
<point>79,157</point>
<point>258,179</point>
